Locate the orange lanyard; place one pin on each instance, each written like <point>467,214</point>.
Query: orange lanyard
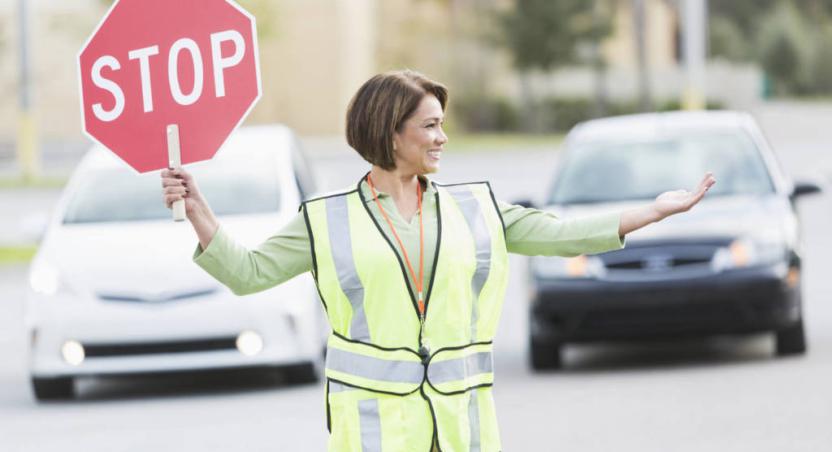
<point>419,283</point>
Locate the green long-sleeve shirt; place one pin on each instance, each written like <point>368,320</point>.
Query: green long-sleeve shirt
<point>287,254</point>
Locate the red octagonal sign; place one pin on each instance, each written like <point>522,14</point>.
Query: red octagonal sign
<point>153,63</point>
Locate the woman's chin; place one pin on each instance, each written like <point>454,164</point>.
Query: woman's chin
<point>431,167</point>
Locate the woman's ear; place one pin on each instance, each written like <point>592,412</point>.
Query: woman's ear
<point>395,141</point>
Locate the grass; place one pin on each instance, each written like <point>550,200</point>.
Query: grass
<point>475,142</point>
<point>16,254</point>
<point>7,183</point>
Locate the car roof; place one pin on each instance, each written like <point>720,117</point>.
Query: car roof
<point>244,142</point>
<point>647,126</point>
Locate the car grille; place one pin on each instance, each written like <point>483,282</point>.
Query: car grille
<point>654,259</point>
<point>152,348</point>
<point>654,263</point>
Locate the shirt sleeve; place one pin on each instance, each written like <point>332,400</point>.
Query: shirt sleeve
<point>533,232</point>
<point>278,259</point>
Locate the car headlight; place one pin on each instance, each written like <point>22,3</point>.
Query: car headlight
<point>573,267</point>
<point>46,280</point>
<point>750,251</point>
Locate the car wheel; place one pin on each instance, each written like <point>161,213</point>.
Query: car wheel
<point>791,340</point>
<point>545,355</point>
<point>60,388</point>
<point>301,373</point>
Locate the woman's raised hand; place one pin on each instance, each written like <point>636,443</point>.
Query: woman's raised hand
<point>671,202</point>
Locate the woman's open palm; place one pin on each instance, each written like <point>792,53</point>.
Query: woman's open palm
<point>671,202</point>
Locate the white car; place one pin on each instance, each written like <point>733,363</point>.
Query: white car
<point>114,290</point>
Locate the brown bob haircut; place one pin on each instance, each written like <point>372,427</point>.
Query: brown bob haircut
<point>380,108</point>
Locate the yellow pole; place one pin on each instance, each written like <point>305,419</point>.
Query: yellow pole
<point>692,99</point>
<point>694,32</point>
<point>27,147</point>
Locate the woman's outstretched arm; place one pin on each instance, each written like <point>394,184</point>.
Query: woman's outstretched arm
<point>534,232</point>
<point>283,256</point>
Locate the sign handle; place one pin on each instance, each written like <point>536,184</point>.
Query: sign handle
<point>175,162</point>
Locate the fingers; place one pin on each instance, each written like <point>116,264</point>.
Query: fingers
<point>176,190</point>
<point>175,185</point>
<point>170,199</point>
<point>707,182</point>
<point>176,174</point>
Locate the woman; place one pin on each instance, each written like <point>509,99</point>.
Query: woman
<point>412,273</point>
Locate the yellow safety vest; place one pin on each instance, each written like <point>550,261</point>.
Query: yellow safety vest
<point>394,384</point>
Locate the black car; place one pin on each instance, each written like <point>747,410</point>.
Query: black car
<point>730,265</point>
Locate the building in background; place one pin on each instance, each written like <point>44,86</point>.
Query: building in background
<point>315,54</point>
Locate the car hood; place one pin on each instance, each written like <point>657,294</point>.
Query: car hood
<point>714,217</point>
<point>141,259</point>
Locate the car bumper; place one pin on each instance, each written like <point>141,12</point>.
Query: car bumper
<point>743,301</point>
<point>129,338</point>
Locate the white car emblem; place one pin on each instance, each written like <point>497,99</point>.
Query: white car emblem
<point>657,262</point>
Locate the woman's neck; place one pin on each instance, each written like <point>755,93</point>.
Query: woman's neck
<point>398,184</point>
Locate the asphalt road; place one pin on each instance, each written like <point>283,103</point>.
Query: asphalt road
<point>722,394</point>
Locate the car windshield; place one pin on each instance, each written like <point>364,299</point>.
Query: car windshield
<point>608,172</point>
<point>118,194</point>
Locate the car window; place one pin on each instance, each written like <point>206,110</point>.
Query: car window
<point>231,188</point>
<point>604,172</point>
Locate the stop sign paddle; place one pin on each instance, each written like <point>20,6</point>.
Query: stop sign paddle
<point>165,82</point>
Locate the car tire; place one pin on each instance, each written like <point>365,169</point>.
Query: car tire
<point>791,340</point>
<point>545,355</point>
<point>301,373</point>
<point>60,388</point>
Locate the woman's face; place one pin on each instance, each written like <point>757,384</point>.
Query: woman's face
<point>418,146</point>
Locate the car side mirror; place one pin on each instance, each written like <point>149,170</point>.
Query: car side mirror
<point>804,188</point>
<point>525,203</point>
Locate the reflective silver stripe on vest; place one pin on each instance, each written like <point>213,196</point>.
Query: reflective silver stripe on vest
<point>334,387</point>
<point>474,421</point>
<point>472,212</point>
<point>460,368</point>
<point>374,368</point>
<point>370,422</point>
<point>340,241</point>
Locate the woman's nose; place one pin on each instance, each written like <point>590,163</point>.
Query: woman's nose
<point>442,138</point>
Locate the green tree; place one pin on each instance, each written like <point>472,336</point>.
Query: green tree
<point>745,14</point>
<point>784,49</point>
<point>726,39</point>
<point>545,34</point>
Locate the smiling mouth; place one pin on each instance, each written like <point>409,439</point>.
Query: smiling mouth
<point>434,154</point>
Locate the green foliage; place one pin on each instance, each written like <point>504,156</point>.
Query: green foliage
<point>16,254</point>
<point>788,38</point>
<point>265,14</point>
<point>744,14</point>
<point>784,49</point>
<point>821,66</point>
<point>496,114</point>
<point>727,40</point>
<point>551,115</point>
<point>544,34</point>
